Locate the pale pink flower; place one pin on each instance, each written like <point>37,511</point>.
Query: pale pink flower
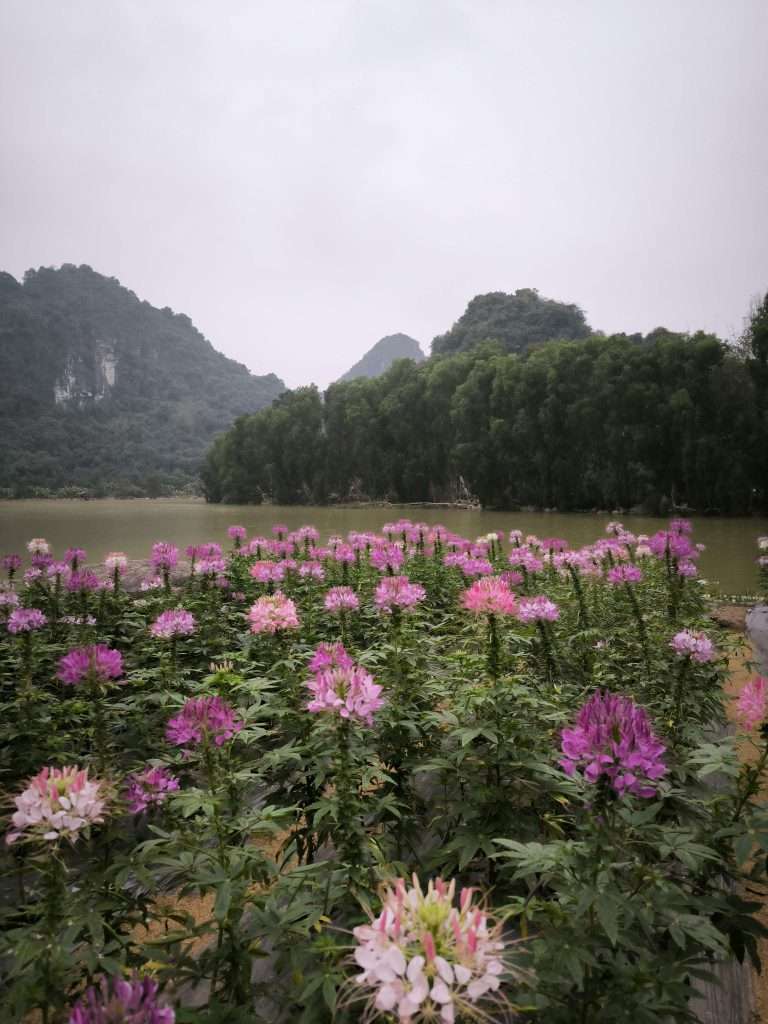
<point>424,959</point>
<point>537,609</point>
<point>694,645</point>
<point>341,599</point>
<point>330,656</point>
<point>273,612</point>
<point>312,570</point>
<point>751,705</point>
<point>39,546</point>
<point>58,803</point>
<point>348,692</point>
<point>267,572</point>
<point>175,622</point>
<point>25,620</point>
<point>626,573</point>
<point>116,561</point>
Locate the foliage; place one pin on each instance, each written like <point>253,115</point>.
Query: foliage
<point>608,422</point>
<point>238,891</point>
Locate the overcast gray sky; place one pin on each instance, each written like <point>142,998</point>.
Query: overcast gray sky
<point>302,178</point>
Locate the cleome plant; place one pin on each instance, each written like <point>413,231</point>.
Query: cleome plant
<point>402,776</point>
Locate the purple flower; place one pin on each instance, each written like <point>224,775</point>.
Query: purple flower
<point>613,738</point>
<point>117,1001</point>
<point>237,532</point>
<point>74,556</point>
<point>175,622</point>
<point>626,573</point>
<point>149,788</point>
<point>95,664</point>
<point>25,620</point>
<point>537,609</point>
<point>203,718</point>
<point>697,646</point>
<point>164,555</point>
<point>82,580</point>
<point>11,563</point>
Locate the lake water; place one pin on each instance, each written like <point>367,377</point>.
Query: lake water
<point>132,526</point>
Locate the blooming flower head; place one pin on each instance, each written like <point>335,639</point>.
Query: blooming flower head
<point>426,959</point>
<point>164,555</point>
<point>312,570</point>
<point>330,656</point>
<point>8,599</point>
<point>172,623</point>
<point>151,583</point>
<point>613,738</point>
<point>537,609</point>
<point>685,567</point>
<point>341,599</point>
<point>58,803</point>
<point>116,561</point>
<point>751,705</point>
<point>680,526</point>
<point>280,529</point>
<point>489,596</point>
<point>237,533</point>
<point>201,719</point>
<point>94,664</point>
<point>25,620</point>
<point>74,556</point>
<point>39,546</point>
<point>273,612</point>
<point>349,692</point>
<point>696,646</point>
<point>267,572</point>
<point>149,788</point>
<point>625,573</point>
<point>11,563</point>
<point>83,580</point>
<point>397,592</point>
<point>117,1001</point>
<point>344,553</point>
<point>387,557</point>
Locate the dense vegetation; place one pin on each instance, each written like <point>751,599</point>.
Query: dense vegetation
<point>103,393</point>
<point>379,358</point>
<point>605,422</point>
<point>213,781</point>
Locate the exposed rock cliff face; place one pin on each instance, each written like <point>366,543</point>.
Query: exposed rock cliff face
<point>101,388</point>
<point>378,359</point>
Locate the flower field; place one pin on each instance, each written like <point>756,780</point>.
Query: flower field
<point>402,777</point>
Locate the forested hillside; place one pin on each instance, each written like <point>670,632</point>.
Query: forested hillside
<point>603,422</point>
<point>106,393</point>
<point>379,358</point>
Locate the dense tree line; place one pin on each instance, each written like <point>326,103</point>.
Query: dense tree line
<point>604,422</point>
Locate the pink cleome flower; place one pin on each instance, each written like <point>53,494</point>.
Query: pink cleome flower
<point>39,546</point>
<point>172,623</point>
<point>341,599</point>
<point>149,788</point>
<point>312,570</point>
<point>489,596</point>
<point>330,656</point>
<point>94,664</point>
<point>397,592</point>
<point>118,1000</point>
<point>58,803</point>
<point>11,563</point>
<point>537,609</point>
<point>273,612</point>
<point>164,555</point>
<point>613,738</point>
<point>425,959</point>
<point>116,561</point>
<point>751,705</point>
<point>697,646</point>
<point>25,620</point>
<point>626,573</point>
<point>201,719</point>
<point>237,532</point>
<point>349,692</point>
<point>267,572</point>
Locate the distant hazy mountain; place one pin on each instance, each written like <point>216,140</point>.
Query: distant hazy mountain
<point>378,359</point>
<point>103,391</point>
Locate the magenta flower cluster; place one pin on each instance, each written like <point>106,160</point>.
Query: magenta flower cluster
<point>489,595</point>
<point>25,620</point>
<point>341,599</point>
<point>201,720</point>
<point>397,592</point>
<point>613,738</point>
<point>626,573</point>
<point>96,664</point>
<point>751,705</point>
<point>149,788</point>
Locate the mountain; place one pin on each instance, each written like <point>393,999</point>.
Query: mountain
<point>378,359</point>
<point>104,392</point>
<point>516,320</point>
